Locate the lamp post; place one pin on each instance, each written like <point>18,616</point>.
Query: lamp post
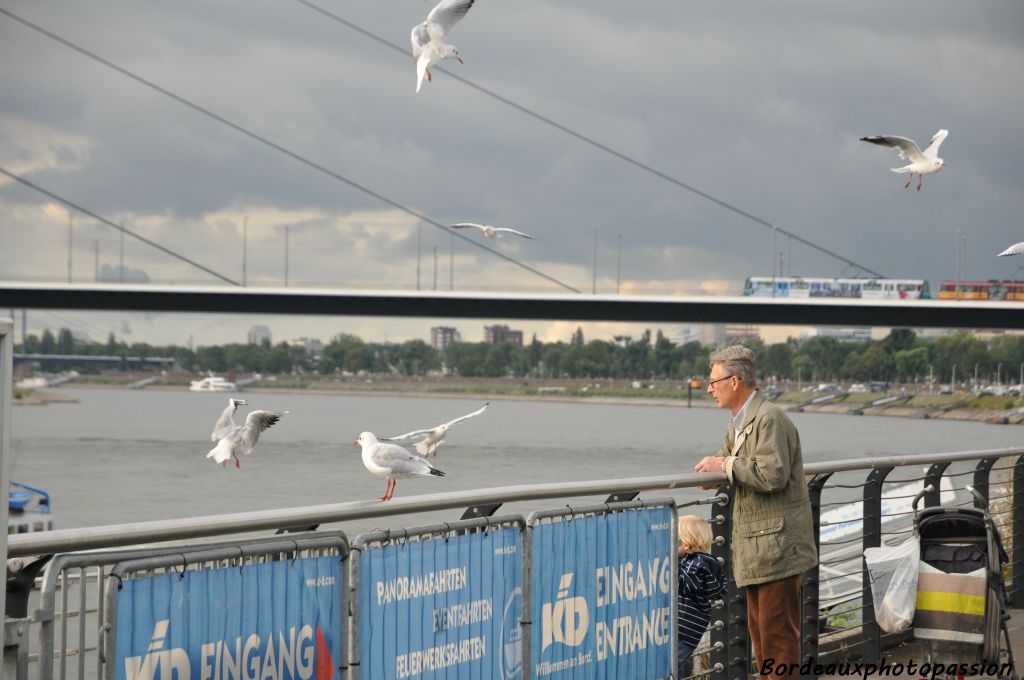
<point>952,380</point>
<point>999,374</point>
<point>975,376</point>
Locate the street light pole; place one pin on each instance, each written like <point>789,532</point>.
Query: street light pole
<point>594,288</point>
<point>287,239</point>
<point>618,267</point>
<point>999,374</point>
<point>245,246</point>
<point>952,380</point>
<point>71,219</point>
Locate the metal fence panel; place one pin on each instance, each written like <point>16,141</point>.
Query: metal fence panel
<point>274,610</point>
<point>441,602</point>
<point>603,591</point>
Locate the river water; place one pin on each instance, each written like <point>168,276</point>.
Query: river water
<point>122,455</point>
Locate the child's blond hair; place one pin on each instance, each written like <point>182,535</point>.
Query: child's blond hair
<point>695,531</point>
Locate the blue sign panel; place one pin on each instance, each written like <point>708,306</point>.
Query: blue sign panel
<point>442,608</point>
<point>602,596</point>
<point>281,620</point>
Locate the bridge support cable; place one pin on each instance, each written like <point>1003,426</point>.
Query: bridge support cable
<point>107,222</point>
<point>277,147</point>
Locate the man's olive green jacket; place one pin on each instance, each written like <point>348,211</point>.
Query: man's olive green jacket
<point>772,531</point>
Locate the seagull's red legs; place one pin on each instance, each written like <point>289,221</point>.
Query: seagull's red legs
<point>387,490</point>
<point>909,180</point>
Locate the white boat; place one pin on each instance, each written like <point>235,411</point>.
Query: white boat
<point>213,383</point>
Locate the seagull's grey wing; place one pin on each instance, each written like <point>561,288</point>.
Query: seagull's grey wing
<point>907,148</point>
<point>445,15</point>
<point>225,422</point>
<point>1015,249</point>
<point>467,225</point>
<point>420,37</point>
<point>469,415</point>
<point>513,231</point>
<point>399,460</point>
<point>407,435</point>
<point>933,149</point>
<point>256,422</point>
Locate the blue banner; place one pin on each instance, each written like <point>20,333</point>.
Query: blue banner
<point>602,596</point>
<point>442,608</point>
<point>276,621</point>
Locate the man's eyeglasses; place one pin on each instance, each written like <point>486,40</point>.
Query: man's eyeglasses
<point>712,382</point>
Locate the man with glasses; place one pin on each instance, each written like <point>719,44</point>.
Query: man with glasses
<point>772,530</point>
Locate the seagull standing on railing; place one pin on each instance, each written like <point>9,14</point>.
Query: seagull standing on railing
<point>428,46</point>
<point>231,437</point>
<point>434,436</point>
<point>391,462</point>
<point>488,230</point>
<point>921,162</point>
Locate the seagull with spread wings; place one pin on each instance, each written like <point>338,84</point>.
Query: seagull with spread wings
<point>392,462</point>
<point>434,436</point>
<point>232,437</point>
<point>1015,249</point>
<point>428,38</point>
<point>489,231</point>
<point>921,162</point>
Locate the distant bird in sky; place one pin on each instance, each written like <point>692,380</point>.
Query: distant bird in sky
<point>232,438</point>
<point>1015,249</point>
<point>392,462</point>
<point>921,163</point>
<point>488,230</point>
<point>428,38</point>
<point>434,436</point>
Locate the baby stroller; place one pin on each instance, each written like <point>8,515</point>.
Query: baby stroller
<point>961,596</point>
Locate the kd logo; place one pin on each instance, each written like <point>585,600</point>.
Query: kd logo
<point>566,620</point>
<point>172,663</point>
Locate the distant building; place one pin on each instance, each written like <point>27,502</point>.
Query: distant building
<point>442,336</point>
<point>857,334</point>
<point>497,334</point>
<point>257,334</point>
<point>712,335</point>
<point>737,333</point>
<point>313,346</point>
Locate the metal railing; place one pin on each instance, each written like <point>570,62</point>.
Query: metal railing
<point>844,630</point>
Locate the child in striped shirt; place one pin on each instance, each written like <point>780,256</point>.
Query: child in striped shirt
<point>701,582</point>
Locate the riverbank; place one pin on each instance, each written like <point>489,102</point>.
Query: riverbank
<point>902,404</point>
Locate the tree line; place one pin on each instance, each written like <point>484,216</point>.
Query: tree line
<point>901,356</point>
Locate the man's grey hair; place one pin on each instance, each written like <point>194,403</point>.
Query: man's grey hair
<point>739,361</point>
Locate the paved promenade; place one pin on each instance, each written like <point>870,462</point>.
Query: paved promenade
<point>913,651</point>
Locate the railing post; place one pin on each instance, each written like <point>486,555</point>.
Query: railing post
<point>933,478</point>
<point>870,632</point>
<point>809,617</point>
<point>734,654</point>
<point>526,609</point>
<point>981,476</point>
<point>1017,523</point>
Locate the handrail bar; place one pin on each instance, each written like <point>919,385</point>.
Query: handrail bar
<point>93,538</point>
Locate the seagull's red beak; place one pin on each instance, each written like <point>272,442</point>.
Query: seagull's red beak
<point>356,442</point>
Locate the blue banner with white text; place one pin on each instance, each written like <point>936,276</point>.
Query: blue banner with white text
<point>442,607</point>
<point>602,596</point>
<point>277,621</point>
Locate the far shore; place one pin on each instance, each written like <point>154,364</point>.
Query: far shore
<point>964,406</point>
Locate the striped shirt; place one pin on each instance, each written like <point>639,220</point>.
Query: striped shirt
<point>701,582</point>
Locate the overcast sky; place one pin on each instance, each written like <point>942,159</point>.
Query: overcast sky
<point>757,104</point>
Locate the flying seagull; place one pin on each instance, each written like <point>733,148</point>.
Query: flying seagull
<point>1015,249</point>
<point>921,162</point>
<point>488,230</point>
<point>232,438</point>
<point>392,462</point>
<point>428,38</point>
<point>434,436</point>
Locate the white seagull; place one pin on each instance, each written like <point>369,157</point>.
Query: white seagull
<point>391,461</point>
<point>434,436</point>
<point>1015,249</point>
<point>232,438</point>
<point>921,162</point>
<point>488,230</point>
<point>428,45</point>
